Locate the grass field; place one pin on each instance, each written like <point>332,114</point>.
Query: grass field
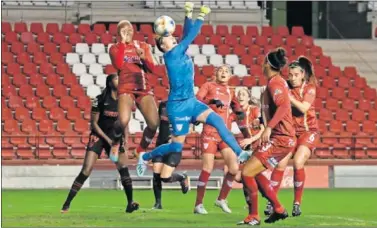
<point>105,208</point>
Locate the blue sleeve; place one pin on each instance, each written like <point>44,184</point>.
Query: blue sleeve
<point>187,26</point>
<point>190,37</point>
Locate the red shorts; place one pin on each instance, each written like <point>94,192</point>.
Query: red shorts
<point>272,153</point>
<point>309,139</point>
<point>211,143</point>
<point>137,95</point>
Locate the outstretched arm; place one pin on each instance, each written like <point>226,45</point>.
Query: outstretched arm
<point>187,26</point>
<point>190,37</point>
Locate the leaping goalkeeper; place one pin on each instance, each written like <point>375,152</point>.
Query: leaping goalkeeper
<point>182,106</point>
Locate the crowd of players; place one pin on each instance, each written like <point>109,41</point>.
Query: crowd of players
<point>282,126</point>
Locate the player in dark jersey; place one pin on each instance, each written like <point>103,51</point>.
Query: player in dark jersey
<point>171,159</point>
<point>104,115</point>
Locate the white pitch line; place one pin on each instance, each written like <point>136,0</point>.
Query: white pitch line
<point>341,218</point>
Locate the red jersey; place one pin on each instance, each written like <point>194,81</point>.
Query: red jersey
<point>307,121</point>
<point>212,90</point>
<point>250,125</point>
<point>131,69</point>
<point>279,108</point>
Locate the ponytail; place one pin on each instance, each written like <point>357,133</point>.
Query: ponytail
<point>107,91</point>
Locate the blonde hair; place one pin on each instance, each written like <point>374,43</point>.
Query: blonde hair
<point>252,100</point>
<point>122,24</point>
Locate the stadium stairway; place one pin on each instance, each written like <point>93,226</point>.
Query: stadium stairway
<point>49,74</point>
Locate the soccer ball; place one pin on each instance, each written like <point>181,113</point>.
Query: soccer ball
<point>164,26</point>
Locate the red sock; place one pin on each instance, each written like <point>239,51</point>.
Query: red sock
<point>202,182</point>
<point>299,180</point>
<point>276,177</point>
<point>147,138</point>
<point>227,186</point>
<point>263,180</point>
<point>269,193</point>
<point>252,188</point>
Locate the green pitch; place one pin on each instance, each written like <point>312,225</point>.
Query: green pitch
<point>105,208</point>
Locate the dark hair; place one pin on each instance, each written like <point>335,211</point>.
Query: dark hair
<point>276,59</point>
<point>159,40</point>
<point>306,65</point>
<point>107,90</point>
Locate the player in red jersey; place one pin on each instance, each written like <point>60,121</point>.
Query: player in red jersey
<point>303,92</point>
<point>133,60</point>
<point>218,95</point>
<point>277,140</point>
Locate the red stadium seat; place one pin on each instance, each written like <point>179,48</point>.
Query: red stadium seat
<point>29,126</point>
<point>99,29</point>
<point>7,58</point>
<point>4,47</point>
<point>254,50</point>
<point>56,58</point>
<point>56,114</point>
<point>59,38</point>
<point>341,115</point>
<point>45,126</point>
<point>348,104</point>
<point>10,126</point>
<point>113,29</point>
<point>262,81</point>
<point>332,104</point>
<point>84,103</point>
<point>77,91</point>
<point>307,41</point>
<point>267,31</point>
<point>5,80</point>
<point>20,27</point>
<point>207,30</point>
<point>247,60</point>
<point>70,80</point>
<point>322,92</point>
<point>63,69</point>
<point>316,51</point>
<point>63,126</point>
<point>338,93</point>
<point>239,50</point>
<point>53,80</point>
<point>106,38</point>
<point>369,127</point>
<point>17,48</point>
<point>298,31</point>
<point>59,90</point>
<point>5,27</point>
<point>49,102</point>
<point>139,36</point>
<point>39,58</point>
<point>352,127</point>
<point>9,91</point>
<point>234,81</point>
<point>7,152</point>
<point>74,114</point>
<point>38,114</point>
<point>87,113</point>
<point>320,71</point>
<point>335,72</point>
<point>350,72</point>
<point>46,68</point>
<point>208,70</point>
<point>36,79</point>
<point>364,105</point>
<point>291,41</point>
<point>49,48</point>
<point>146,29</point>
<point>255,70</point>
<point>372,115</point>
<point>36,27</point>
<point>81,126</point>
<point>32,102</point>
<point>326,115</point>
<point>74,38</point>
<point>249,81</point>
<point>178,30</point>
<point>358,115</point>
<point>237,30</point>
<point>200,80</point>
<point>200,40</point>
<point>354,93</point>
<point>282,31</point>
<point>52,28</point>
<point>246,40</point>
<point>336,126</point>
<point>261,41</point>
<point>370,93</point>
<point>68,29</point>
<point>215,40</point>
<point>325,61</point>
<point>66,102</point>
<point>344,82</point>
<point>27,37</point>
<point>26,91</point>
<point>10,37</point>
<point>65,48</point>
<point>6,114</point>
<point>276,40</point>
<point>300,50</point>
<point>231,40</point>
<point>223,50</point>
<point>20,80</point>
<point>83,29</point>
<point>30,68</point>
<point>252,30</point>
<point>360,82</point>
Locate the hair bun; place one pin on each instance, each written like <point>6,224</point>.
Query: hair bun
<point>280,57</point>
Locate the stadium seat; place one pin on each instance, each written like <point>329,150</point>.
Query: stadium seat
<point>230,40</point>
<point>193,50</point>
<point>82,48</point>
<point>99,29</point>
<point>10,37</point>
<point>49,102</point>
<point>65,48</point>
<point>223,50</point>
<point>95,69</point>
<point>7,58</point>
<point>9,91</point>
<point>84,103</point>
<point>63,126</point>
<point>113,29</point>
<point>336,127</point>
<point>93,91</point>
<point>74,114</point>
<point>56,114</point>
<point>63,69</point>
<point>59,90</point>
<point>6,114</point>
<point>79,69</point>
<point>10,126</point>
<point>216,60</point>
<point>344,82</point>
<point>32,102</point>
<point>91,38</point>
<point>372,115</point>
<point>25,91</point>
<point>56,58</point>
<point>15,102</point>
<point>326,115</point>
<point>106,39</point>
<point>76,91</point>
<point>352,127</point>
<point>234,81</point>
<point>88,58</point>
<point>81,126</point>
<point>348,104</point>
<point>338,93</point>
<point>207,30</point>
<point>45,126</point>
<point>5,80</point>
<point>27,37</point>
<point>200,60</point>
<point>5,27</point>
<point>369,127</point>
<point>231,60</point>
<point>17,48</point>
<point>104,59</point>
<point>98,48</point>
<point>74,38</point>
<point>239,50</point>
<point>208,49</point>
<point>39,58</point>
<point>261,41</point>
<point>83,29</point>
<point>68,29</point>
<point>20,27</point>
<point>38,114</point>
<point>59,38</point>
<point>215,40</point>
<point>50,48</point>
<point>46,68</point>
<point>240,70</point>
<point>101,80</point>
<point>52,28</point>
<point>342,115</point>
<point>86,80</point>
<point>246,40</point>
<point>298,31</point>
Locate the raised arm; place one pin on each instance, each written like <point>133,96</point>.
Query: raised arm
<point>190,37</point>
<point>148,57</point>
<point>117,55</point>
<point>187,26</point>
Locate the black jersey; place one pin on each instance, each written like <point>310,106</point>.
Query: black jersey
<point>108,112</point>
<point>164,129</point>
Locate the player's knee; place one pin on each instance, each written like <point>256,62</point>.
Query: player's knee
<point>298,163</point>
<point>124,119</point>
<point>153,124</point>
<point>156,176</point>
<point>176,147</point>
<point>233,169</point>
<point>86,170</point>
<point>166,179</point>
